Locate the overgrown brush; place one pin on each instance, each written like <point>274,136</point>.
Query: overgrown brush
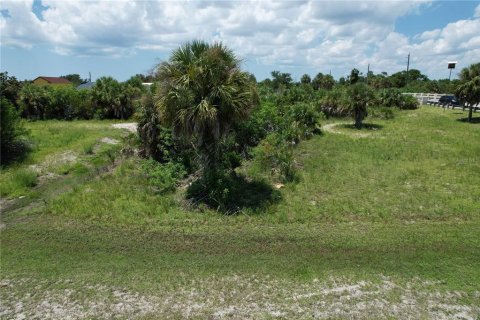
<point>13,134</point>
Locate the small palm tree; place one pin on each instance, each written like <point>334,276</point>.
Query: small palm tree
<point>469,93</point>
<point>202,93</point>
<point>359,96</point>
<point>469,90</point>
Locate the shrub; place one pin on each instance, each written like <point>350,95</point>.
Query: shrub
<point>274,154</point>
<point>9,87</point>
<point>409,103</point>
<point>34,101</point>
<point>231,193</point>
<point>301,121</point>
<point>67,103</point>
<point>114,100</point>
<point>83,105</point>
<point>163,177</point>
<point>13,145</point>
<point>156,141</point>
<point>392,98</point>
<point>334,103</point>
<point>381,112</point>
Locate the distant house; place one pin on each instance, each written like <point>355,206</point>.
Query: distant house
<point>86,85</point>
<point>51,81</point>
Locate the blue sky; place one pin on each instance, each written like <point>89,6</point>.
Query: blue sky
<point>122,38</point>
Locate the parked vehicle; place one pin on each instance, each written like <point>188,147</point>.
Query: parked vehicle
<point>449,101</point>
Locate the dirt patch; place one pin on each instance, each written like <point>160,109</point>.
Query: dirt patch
<point>332,128</point>
<point>236,297</point>
<point>54,161</point>
<point>131,126</point>
<point>108,140</point>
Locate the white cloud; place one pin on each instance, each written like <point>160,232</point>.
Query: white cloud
<point>477,12</point>
<point>320,35</point>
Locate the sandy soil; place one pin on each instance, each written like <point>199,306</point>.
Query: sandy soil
<point>236,297</point>
<point>131,126</point>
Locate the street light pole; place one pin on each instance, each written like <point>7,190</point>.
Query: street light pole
<point>408,67</point>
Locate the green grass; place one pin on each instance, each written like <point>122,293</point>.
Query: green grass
<point>403,201</point>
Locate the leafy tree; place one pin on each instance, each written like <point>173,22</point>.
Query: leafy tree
<point>115,100</point>
<point>399,79</point>
<point>327,82</point>
<point>202,93</point>
<point>469,89</point>
<point>317,81</point>
<point>106,97</point>
<point>145,77</point>
<point>281,79</point>
<point>306,79</point>
<point>354,76</point>
<point>9,87</point>
<point>34,101</point>
<point>416,75</point>
<point>75,79</point>
<point>359,96</point>
<point>11,132</point>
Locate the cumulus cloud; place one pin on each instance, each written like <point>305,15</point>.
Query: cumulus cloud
<point>320,35</point>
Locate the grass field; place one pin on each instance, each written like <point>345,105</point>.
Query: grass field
<point>383,223</point>
<point>58,148</point>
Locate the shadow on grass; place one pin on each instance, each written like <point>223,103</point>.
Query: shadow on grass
<point>14,153</point>
<point>474,120</point>
<point>366,126</point>
<point>232,194</point>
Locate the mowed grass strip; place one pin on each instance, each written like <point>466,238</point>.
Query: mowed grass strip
<point>47,248</point>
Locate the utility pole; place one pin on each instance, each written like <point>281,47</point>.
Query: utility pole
<point>408,67</point>
<point>368,72</point>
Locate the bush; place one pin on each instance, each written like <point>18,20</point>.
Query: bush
<point>34,101</point>
<point>381,112</point>
<point>114,100</point>
<point>65,102</point>
<point>334,103</point>
<point>409,103</point>
<point>158,142</point>
<point>13,145</point>
<point>392,98</point>
<point>163,177</point>
<point>274,154</point>
<point>301,121</point>
<point>231,193</point>
<point>9,87</point>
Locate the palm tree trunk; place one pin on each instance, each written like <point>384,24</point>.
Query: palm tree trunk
<point>358,119</point>
<point>470,112</point>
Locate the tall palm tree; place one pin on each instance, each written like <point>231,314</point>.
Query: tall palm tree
<point>467,74</point>
<point>469,90</point>
<point>202,92</point>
